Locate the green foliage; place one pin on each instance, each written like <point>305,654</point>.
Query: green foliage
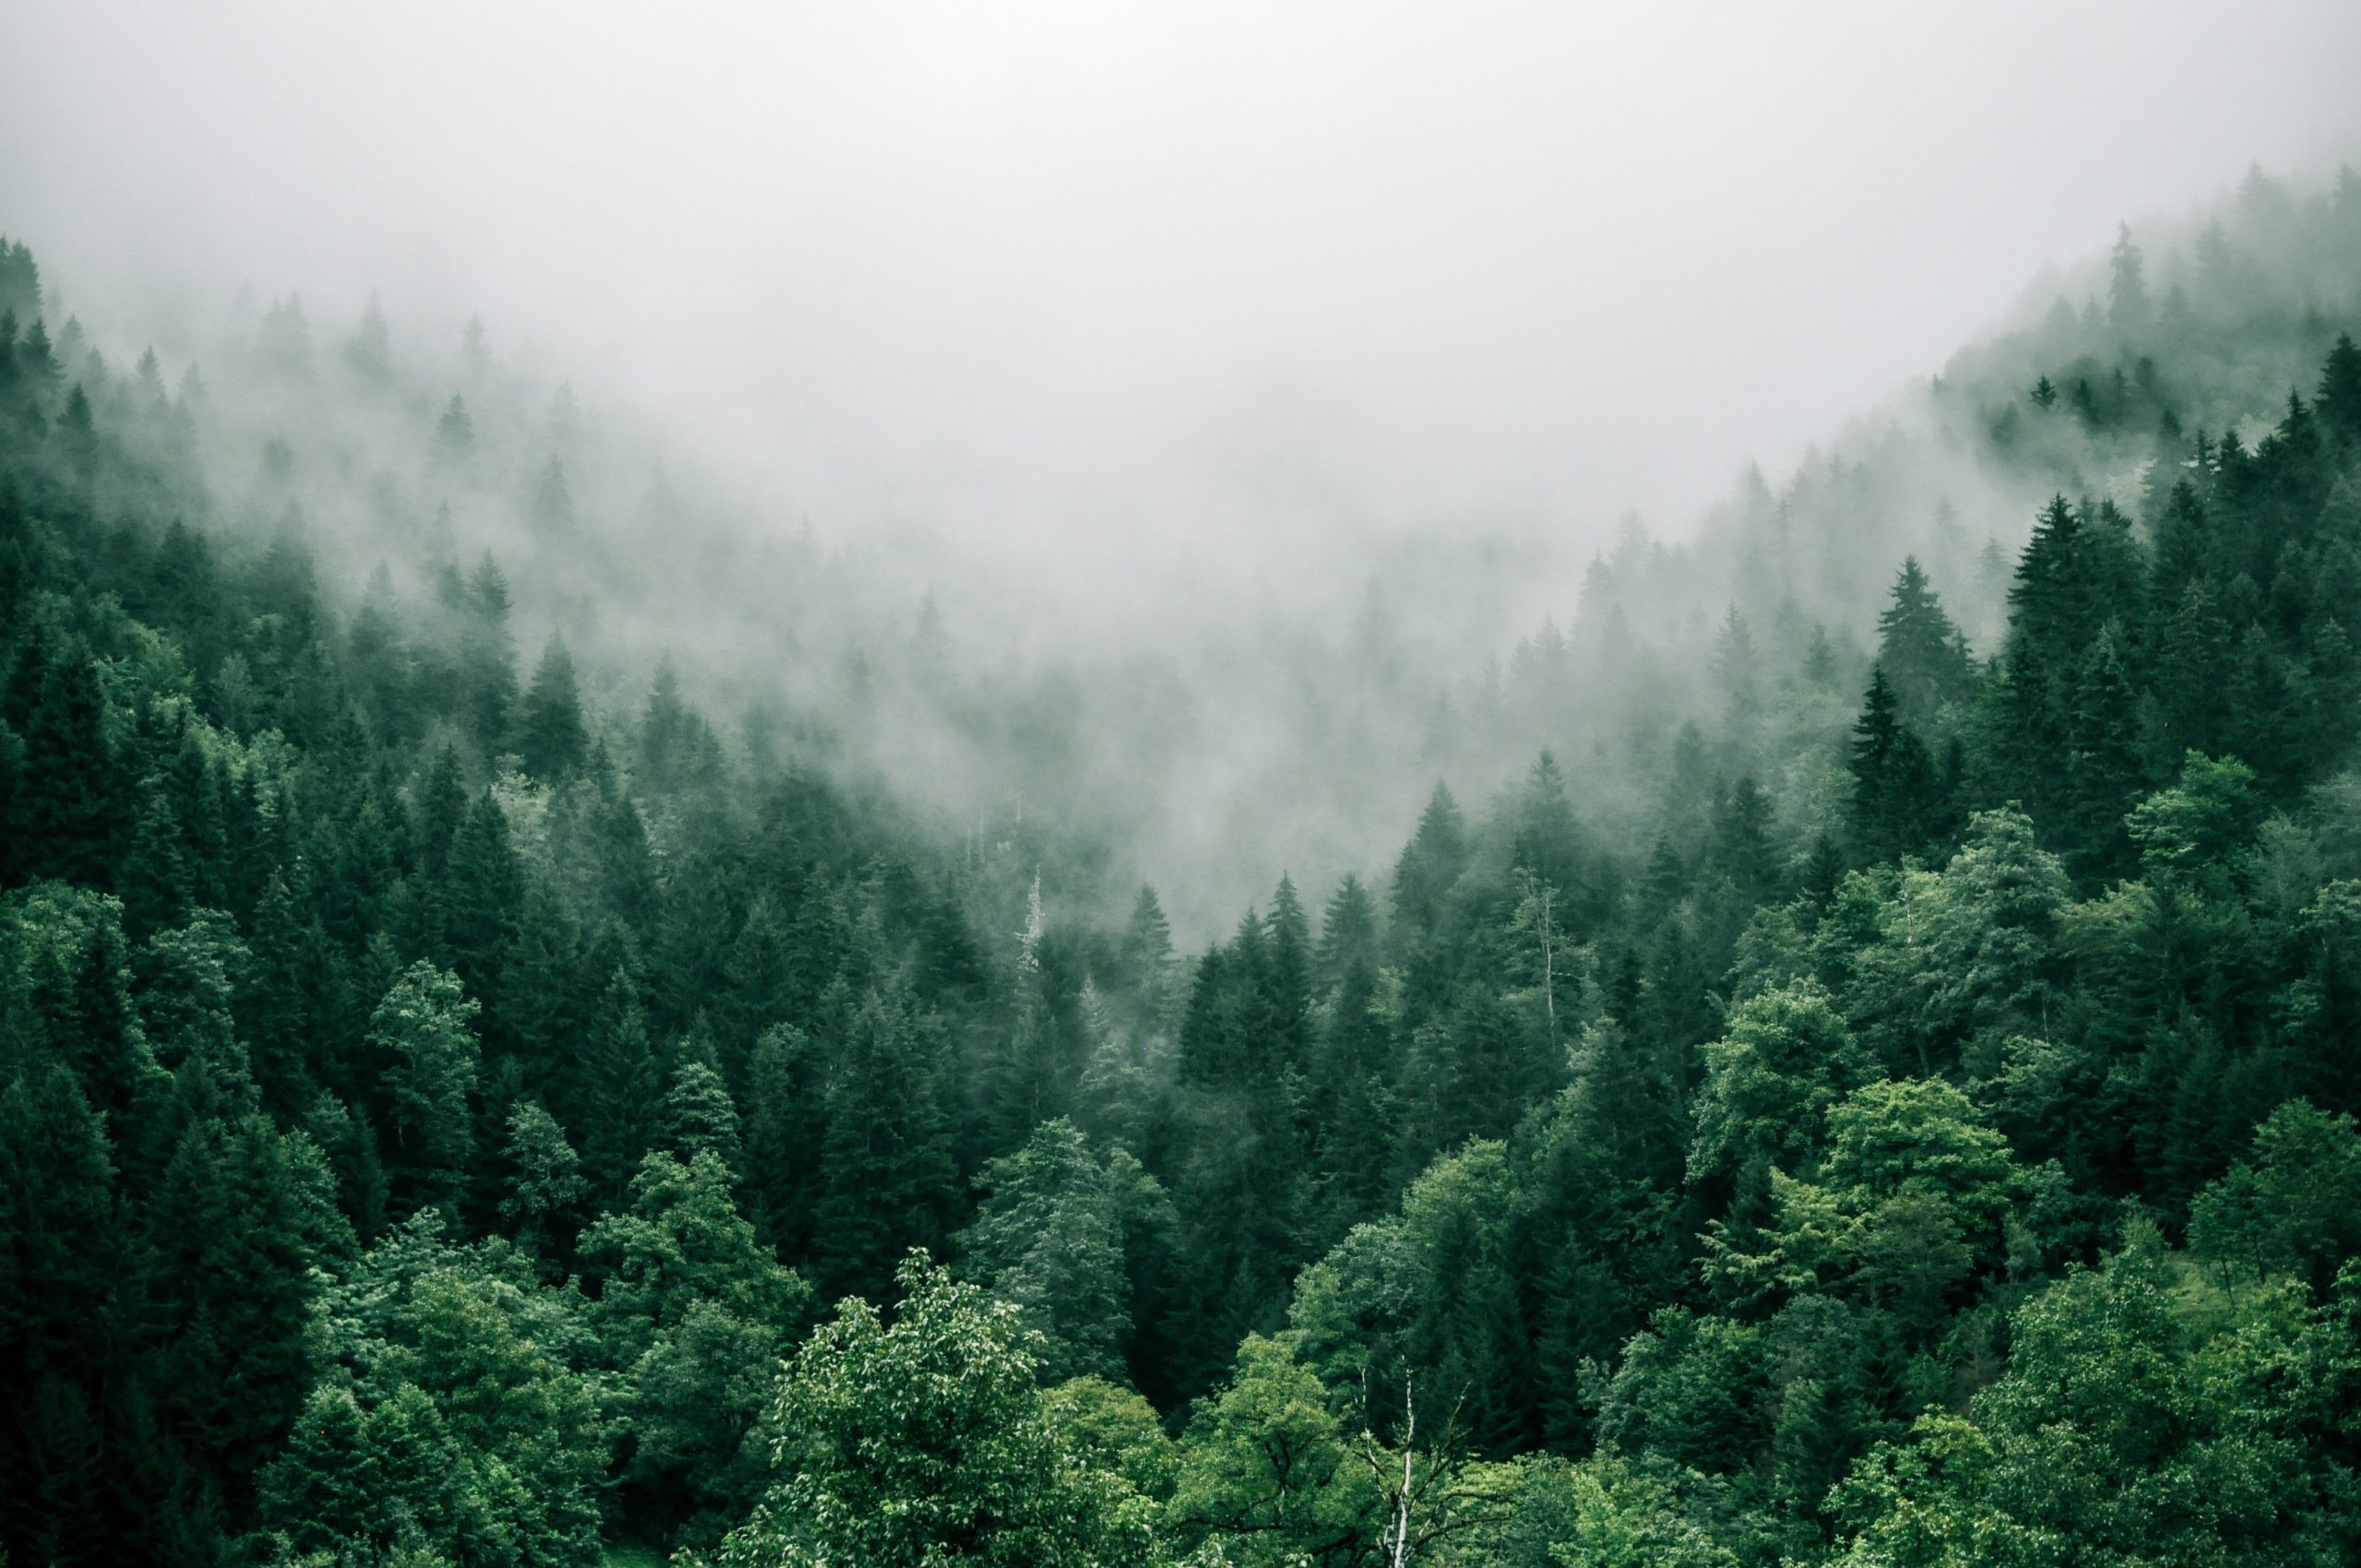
<point>1063,1231</point>
<point>2128,1427</point>
<point>2294,1207</point>
<point>1705,1131</point>
<point>422,1028</point>
<point>1267,1469</point>
<point>447,1426</point>
<point>925,1440</point>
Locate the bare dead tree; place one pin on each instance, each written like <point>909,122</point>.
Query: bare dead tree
<point>1432,1495</point>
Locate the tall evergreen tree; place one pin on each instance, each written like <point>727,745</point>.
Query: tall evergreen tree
<point>550,734</point>
<point>1893,778</point>
<point>1430,863</point>
<point>1922,653</point>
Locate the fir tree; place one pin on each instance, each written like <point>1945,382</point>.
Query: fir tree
<point>1923,655</point>
<point>1430,863</point>
<point>1894,782</point>
<point>454,433</point>
<point>2338,401</point>
<point>550,735</point>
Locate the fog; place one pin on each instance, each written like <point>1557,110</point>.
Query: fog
<point>1249,386</point>
<point>1077,277</point>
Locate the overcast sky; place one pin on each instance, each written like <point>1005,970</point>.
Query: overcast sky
<point>1041,268</point>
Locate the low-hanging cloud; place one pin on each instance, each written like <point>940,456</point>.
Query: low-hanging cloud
<point>1081,278</point>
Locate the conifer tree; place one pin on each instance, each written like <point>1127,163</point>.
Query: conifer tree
<point>1430,863</point>
<point>454,433</point>
<point>618,1087</point>
<point>1893,780</point>
<point>2338,401</point>
<point>488,658</point>
<point>70,805</point>
<point>784,1127</point>
<point>1923,655</point>
<point>550,736</point>
<point>887,1169</point>
<point>484,893</point>
<point>61,1259</point>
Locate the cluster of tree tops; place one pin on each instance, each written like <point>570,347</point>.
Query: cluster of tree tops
<point>432,1106</point>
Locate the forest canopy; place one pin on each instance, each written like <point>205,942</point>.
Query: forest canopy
<point>1845,1052</point>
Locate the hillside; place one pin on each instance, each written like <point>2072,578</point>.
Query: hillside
<point>501,946</point>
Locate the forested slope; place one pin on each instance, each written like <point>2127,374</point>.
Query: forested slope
<point>1879,1089</point>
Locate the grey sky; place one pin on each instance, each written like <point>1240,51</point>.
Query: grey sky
<point>1034,270</point>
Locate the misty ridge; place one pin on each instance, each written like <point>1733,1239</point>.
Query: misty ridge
<point>564,1002</point>
<point>1283,698</point>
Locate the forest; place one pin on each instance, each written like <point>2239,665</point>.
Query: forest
<point>512,1053</point>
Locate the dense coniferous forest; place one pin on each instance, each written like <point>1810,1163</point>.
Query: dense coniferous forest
<point>1855,1063</point>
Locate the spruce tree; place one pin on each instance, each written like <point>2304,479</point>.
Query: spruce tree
<point>488,658</point>
<point>888,1175</point>
<point>1430,863</point>
<point>454,433</point>
<point>1893,778</point>
<point>71,805</point>
<point>619,1086</point>
<point>2338,401</point>
<point>550,735</point>
<point>63,1334</point>
<point>1923,655</point>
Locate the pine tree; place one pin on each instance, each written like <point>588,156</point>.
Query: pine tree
<point>1548,841</point>
<point>542,1010</point>
<point>454,433</point>
<point>1922,654</point>
<point>888,1177</point>
<point>62,1261</point>
<point>1894,782</point>
<point>1349,934</point>
<point>70,803</point>
<point>2184,549</point>
<point>488,658</point>
<point>1430,863</point>
<point>1288,981</point>
<point>1742,848</point>
<point>784,1128</point>
<point>550,735</point>
<point>2338,401</point>
<point>2190,690</point>
<point>483,892</point>
<point>1145,954</point>
<point>273,1016</point>
<point>2104,773</point>
<point>620,1083</point>
<point>229,1277</point>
